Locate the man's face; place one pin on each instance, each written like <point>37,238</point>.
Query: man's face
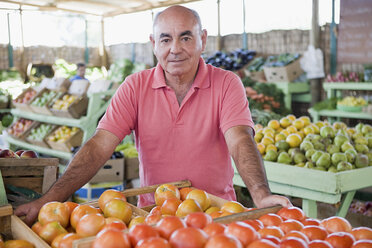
<point>81,71</point>
<point>178,43</point>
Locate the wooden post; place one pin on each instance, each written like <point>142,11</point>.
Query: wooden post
<point>219,42</point>
<point>86,52</point>
<point>245,42</point>
<point>10,48</point>
<point>333,41</point>
<point>22,66</point>
<point>314,40</point>
<point>102,50</point>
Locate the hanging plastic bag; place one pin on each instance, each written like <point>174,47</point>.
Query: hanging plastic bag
<point>312,63</point>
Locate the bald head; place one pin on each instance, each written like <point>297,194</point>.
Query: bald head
<point>175,11</point>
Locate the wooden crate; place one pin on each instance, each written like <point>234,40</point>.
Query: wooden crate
<point>77,109</point>
<point>42,143</point>
<point>22,136</point>
<point>13,227</point>
<point>44,110</point>
<point>74,140</point>
<point>24,106</point>
<point>37,174</point>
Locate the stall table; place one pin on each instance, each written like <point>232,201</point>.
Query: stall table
<point>314,185</point>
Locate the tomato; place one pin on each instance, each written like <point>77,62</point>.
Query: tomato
<point>153,242</point>
<point>311,222</point>
<point>152,219</point>
<point>137,220</point>
<point>293,213</point>
<point>223,241</point>
<point>166,191</point>
<point>184,192</point>
<point>115,225</point>
<point>188,237</point>
<point>198,220</point>
<point>112,238</point>
<point>109,220</point>
<point>80,211</point>
<point>216,214</point>
<point>232,207</point>
<point>315,232</point>
<point>51,230</point>
<point>242,231</point>
<point>262,243</point>
<point>362,244</point>
<point>156,210</point>
<point>293,242</point>
<point>336,224</point>
<point>271,220</point>
<point>18,244</point>
<point>68,239</point>
<point>54,211</point>
<point>90,225</point>
<point>119,209</point>
<point>57,240</point>
<point>71,206</point>
<point>319,244</point>
<point>168,225</point>
<point>201,197</point>
<point>256,224</point>
<point>362,233</point>
<point>271,230</point>
<point>290,225</point>
<point>296,234</point>
<point>214,228</point>
<point>108,195</point>
<point>36,227</point>
<point>340,240</point>
<point>188,206</point>
<point>141,231</point>
<point>170,206</point>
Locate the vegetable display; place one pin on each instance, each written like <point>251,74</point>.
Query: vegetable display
<point>232,61</point>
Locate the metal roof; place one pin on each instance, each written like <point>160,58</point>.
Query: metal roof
<point>104,8</point>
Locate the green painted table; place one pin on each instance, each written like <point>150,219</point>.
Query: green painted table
<point>335,89</point>
<point>295,91</point>
<point>313,185</point>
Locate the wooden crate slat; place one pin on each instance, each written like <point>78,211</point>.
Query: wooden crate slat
<point>11,171</point>
<point>49,177</point>
<point>28,161</point>
<point>34,183</point>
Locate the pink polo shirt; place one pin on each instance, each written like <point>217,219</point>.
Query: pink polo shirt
<point>180,142</point>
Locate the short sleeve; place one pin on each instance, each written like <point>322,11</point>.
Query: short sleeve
<point>234,107</point>
<point>121,114</point>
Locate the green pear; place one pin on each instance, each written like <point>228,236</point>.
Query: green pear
<point>332,169</point>
<point>357,135</point>
<point>327,141</point>
<point>271,155</point>
<point>361,161</point>
<point>361,148</point>
<point>366,129</point>
<point>306,145</point>
<point>316,156</point>
<point>309,153</point>
<point>324,161</point>
<point>369,142</point>
<point>340,140</point>
<point>327,132</point>
<point>343,166</point>
<point>319,145</point>
<point>359,127</point>
<point>284,158</point>
<point>293,151</point>
<point>300,164</point>
<point>299,157</point>
<point>369,155</point>
<point>350,154</point>
<point>309,165</point>
<point>338,157</point>
<point>282,145</point>
<point>331,149</point>
<point>343,132</point>
<point>346,146</point>
<point>361,140</point>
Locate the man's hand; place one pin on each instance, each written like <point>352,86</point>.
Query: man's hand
<point>273,200</point>
<point>30,211</point>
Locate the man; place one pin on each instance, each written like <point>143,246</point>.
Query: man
<point>80,72</point>
<point>188,117</point>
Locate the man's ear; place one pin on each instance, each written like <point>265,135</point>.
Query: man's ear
<point>204,39</point>
<point>152,40</point>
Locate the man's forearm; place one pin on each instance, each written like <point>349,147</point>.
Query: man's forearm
<point>81,169</point>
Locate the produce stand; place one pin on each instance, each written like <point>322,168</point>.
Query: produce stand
<point>294,91</point>
<point>96,107</point>
<point>335,90</point>
<point>314,185</point>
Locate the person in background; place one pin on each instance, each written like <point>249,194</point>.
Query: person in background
<point>80,72</point>
<point>189,119</point>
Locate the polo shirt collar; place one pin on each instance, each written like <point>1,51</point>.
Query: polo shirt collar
<point>201,81</point>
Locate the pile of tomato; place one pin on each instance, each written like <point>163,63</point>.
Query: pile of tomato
<point>184,218</point>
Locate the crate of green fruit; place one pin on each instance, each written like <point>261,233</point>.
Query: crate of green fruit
<point>43,100</point>
<point>64,138</point>
<point>37,135</point>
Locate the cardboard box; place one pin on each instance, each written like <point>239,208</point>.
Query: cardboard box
<point>258,76</point>
<point>75,140</point>
<point>112,171</point>
<point>92,191</point>
<point>131,168</point>
<point>287,73</point>
<point>79,107</point>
